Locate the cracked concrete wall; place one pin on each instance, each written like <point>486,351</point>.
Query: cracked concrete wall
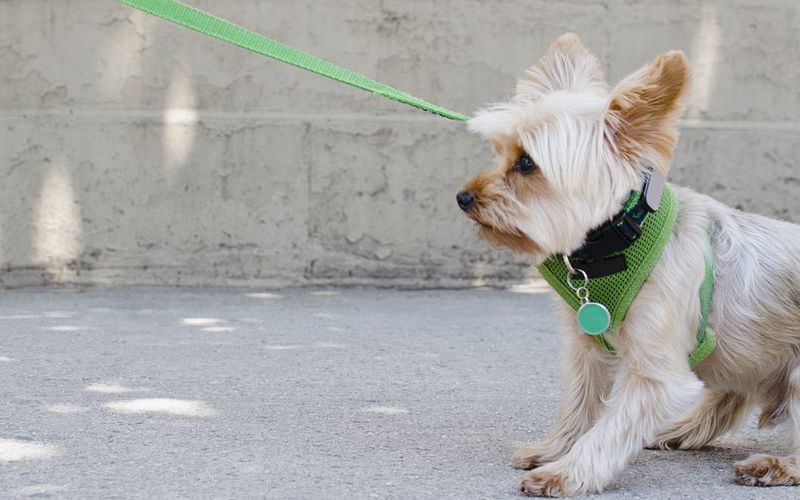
<point>134,151</point>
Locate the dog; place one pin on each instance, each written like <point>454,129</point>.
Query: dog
<point>570,151</point>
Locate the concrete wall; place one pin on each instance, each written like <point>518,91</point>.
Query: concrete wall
<point>133,151</point>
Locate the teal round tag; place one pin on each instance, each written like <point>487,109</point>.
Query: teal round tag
<point>593,318</point>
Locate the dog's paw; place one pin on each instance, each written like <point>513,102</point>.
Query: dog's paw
<point>544,483</point>
<point>526,459</point>
<point>766,470</point>
<point>664,444</point>
<point>680,437</point>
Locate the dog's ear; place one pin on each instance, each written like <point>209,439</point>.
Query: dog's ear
<point>566,66</point>
<point>640,123</point>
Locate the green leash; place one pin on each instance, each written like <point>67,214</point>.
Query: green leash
<point>202,22</point>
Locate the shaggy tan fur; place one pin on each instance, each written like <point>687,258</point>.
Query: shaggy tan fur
<point>590,146</point>
<point>643,110</point>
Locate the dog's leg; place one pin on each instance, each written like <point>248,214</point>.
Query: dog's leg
<point>767,470</point>
<point>717,413</point>
<point>637,407</point>
<point>587,382</point>
<point>653,385</point>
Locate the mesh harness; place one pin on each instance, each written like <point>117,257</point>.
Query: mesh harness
<point>618,290</point>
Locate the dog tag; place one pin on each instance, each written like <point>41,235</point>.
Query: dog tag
<point>593,318</point>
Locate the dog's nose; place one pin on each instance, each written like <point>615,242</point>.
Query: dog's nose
<point>465,200</point>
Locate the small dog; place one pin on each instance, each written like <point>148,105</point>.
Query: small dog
<point>570,152</point>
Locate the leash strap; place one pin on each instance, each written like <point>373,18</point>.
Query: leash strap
<point>202,22</point>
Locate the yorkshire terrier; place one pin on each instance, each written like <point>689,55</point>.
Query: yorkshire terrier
<point>570,151</point>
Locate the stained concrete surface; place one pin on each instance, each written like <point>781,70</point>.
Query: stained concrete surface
<point>304,393</point>
<point>133,151</point>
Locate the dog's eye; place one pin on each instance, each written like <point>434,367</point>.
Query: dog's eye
<point>525,164</point>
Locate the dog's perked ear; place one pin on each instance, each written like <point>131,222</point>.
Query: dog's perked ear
<point>567,65</point>
<point>640,123</point>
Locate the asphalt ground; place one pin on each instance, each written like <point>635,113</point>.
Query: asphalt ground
<point>336,393</point>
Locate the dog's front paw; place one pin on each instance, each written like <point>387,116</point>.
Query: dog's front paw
<point>526,459</point>
<point>544,483</point>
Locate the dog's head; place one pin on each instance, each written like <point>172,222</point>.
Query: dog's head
<point>569,151</point>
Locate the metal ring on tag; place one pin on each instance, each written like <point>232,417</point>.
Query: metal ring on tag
<point>570,269</point>
<point>582,275</point>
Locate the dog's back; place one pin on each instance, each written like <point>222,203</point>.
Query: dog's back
<point>755,310</point>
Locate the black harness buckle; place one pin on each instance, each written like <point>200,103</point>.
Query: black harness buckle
<point>612,237</point>
<point>598,251</point>
<point>605,266</point>
<point>628,228</point>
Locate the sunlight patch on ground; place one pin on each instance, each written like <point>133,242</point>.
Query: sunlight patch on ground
<point>14,450</point>
<point>291,347</point>
<point>263,295</point>
<point>385,410</point>
<point>288,347</point>
<point>112,388</point>
<point>60,314</point>
<point>63,328</point>
<point>40,490</point>
<point>201,321</point>
<point>323,293</point>
<point>6,359</point>
<point>169,406</point>
<point>218,329</point>
<point>65,408</point>
<point>19,316</point>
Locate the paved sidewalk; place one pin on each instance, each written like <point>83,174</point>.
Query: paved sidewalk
<point>152,392</point>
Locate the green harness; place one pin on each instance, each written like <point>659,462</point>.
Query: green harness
<point>617,291</point>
